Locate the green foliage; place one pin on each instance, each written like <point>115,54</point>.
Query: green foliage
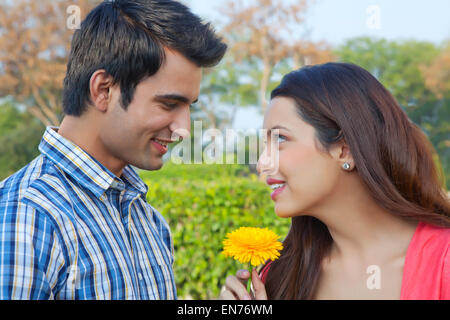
<point>202,203</point>
<point>20,135</point>
<point>434,119</point>
<point>397,66</point>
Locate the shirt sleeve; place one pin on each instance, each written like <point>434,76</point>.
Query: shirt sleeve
<point>31,258</point>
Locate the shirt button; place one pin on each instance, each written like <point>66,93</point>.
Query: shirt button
<point>140,276</point>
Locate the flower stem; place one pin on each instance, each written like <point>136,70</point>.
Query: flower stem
<point>249,282</point>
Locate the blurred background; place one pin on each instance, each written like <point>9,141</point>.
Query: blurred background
<point>404,43</point>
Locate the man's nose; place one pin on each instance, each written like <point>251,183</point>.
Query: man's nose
<point>181,123</point>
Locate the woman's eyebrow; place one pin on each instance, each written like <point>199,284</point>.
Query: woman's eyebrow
<point>269,132</point>
<point>278,127</point>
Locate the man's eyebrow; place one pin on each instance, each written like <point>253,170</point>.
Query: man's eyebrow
<point>174,97</point>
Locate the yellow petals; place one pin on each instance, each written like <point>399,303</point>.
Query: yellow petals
<point>254,245</point>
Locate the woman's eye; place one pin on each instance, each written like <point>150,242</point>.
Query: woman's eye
<point>274,138</point>
<point>281,138</point>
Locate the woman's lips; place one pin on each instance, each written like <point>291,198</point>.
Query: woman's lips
<point>276,192</point>
<point>279,188</point>
<point>271,181</point>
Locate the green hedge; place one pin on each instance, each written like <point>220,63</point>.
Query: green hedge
<point>202,203</point>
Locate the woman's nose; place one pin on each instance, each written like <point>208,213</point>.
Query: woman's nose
<point>268,162</point>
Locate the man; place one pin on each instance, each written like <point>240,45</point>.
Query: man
<point>74,223</point>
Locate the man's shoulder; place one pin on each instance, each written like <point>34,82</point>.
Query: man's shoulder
<point>35,185</point>
<point>13,187</point>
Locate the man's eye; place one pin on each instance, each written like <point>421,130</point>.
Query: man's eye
<point>170,105</point>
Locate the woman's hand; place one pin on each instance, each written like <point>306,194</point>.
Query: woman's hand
<point>236,287</point>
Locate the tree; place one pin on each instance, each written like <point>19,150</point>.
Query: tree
<point>417,74</point>
<point>20,137</point>
<point>223,90</point>
<point>262,31</point>
<point>395,64</point>
<point>437,74</point>
<point>34,47</point>
<point>437,79</point>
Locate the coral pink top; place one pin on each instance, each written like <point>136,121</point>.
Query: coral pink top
<point>426,272</point>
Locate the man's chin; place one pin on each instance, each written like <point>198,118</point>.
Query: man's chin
<point>155,165</point>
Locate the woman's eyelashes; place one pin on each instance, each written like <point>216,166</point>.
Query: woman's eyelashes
<point>280,138</point>
<point>276,138</point>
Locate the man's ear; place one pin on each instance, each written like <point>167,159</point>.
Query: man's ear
<point>341,153</point>
<point>100,86</point>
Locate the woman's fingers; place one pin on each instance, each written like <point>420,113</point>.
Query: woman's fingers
<point>236,285</point>
<point>258,286</point>
<point>243,276</point>
<point>227,295</point>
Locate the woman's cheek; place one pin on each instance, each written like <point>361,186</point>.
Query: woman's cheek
<point>296,161</point>
<point>309,179</point>
<point>295,169</point>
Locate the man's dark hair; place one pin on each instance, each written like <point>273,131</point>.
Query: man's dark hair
<point>127,39</point>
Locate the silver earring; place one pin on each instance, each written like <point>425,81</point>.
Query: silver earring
<point>346,166</point>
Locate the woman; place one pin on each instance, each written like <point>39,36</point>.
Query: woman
<point>370,219</point>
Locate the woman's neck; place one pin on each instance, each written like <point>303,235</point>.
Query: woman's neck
<point>361,230</point>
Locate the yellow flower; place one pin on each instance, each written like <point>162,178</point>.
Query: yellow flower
<point>254,245</point>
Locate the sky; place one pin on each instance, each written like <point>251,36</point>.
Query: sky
<point>337,20</point>
<point>334,21</point>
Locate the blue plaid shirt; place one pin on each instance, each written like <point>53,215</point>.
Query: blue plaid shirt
<point>71,229</point>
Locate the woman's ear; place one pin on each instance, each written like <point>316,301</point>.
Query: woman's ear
<point>342,154</point>
<point>100,86</point>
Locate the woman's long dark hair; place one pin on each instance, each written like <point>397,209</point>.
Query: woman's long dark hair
<point>393,158</point>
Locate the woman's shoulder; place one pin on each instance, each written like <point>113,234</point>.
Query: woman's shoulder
<point>426,273</point>
<point>431,238</point>
<point>430,245</point>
